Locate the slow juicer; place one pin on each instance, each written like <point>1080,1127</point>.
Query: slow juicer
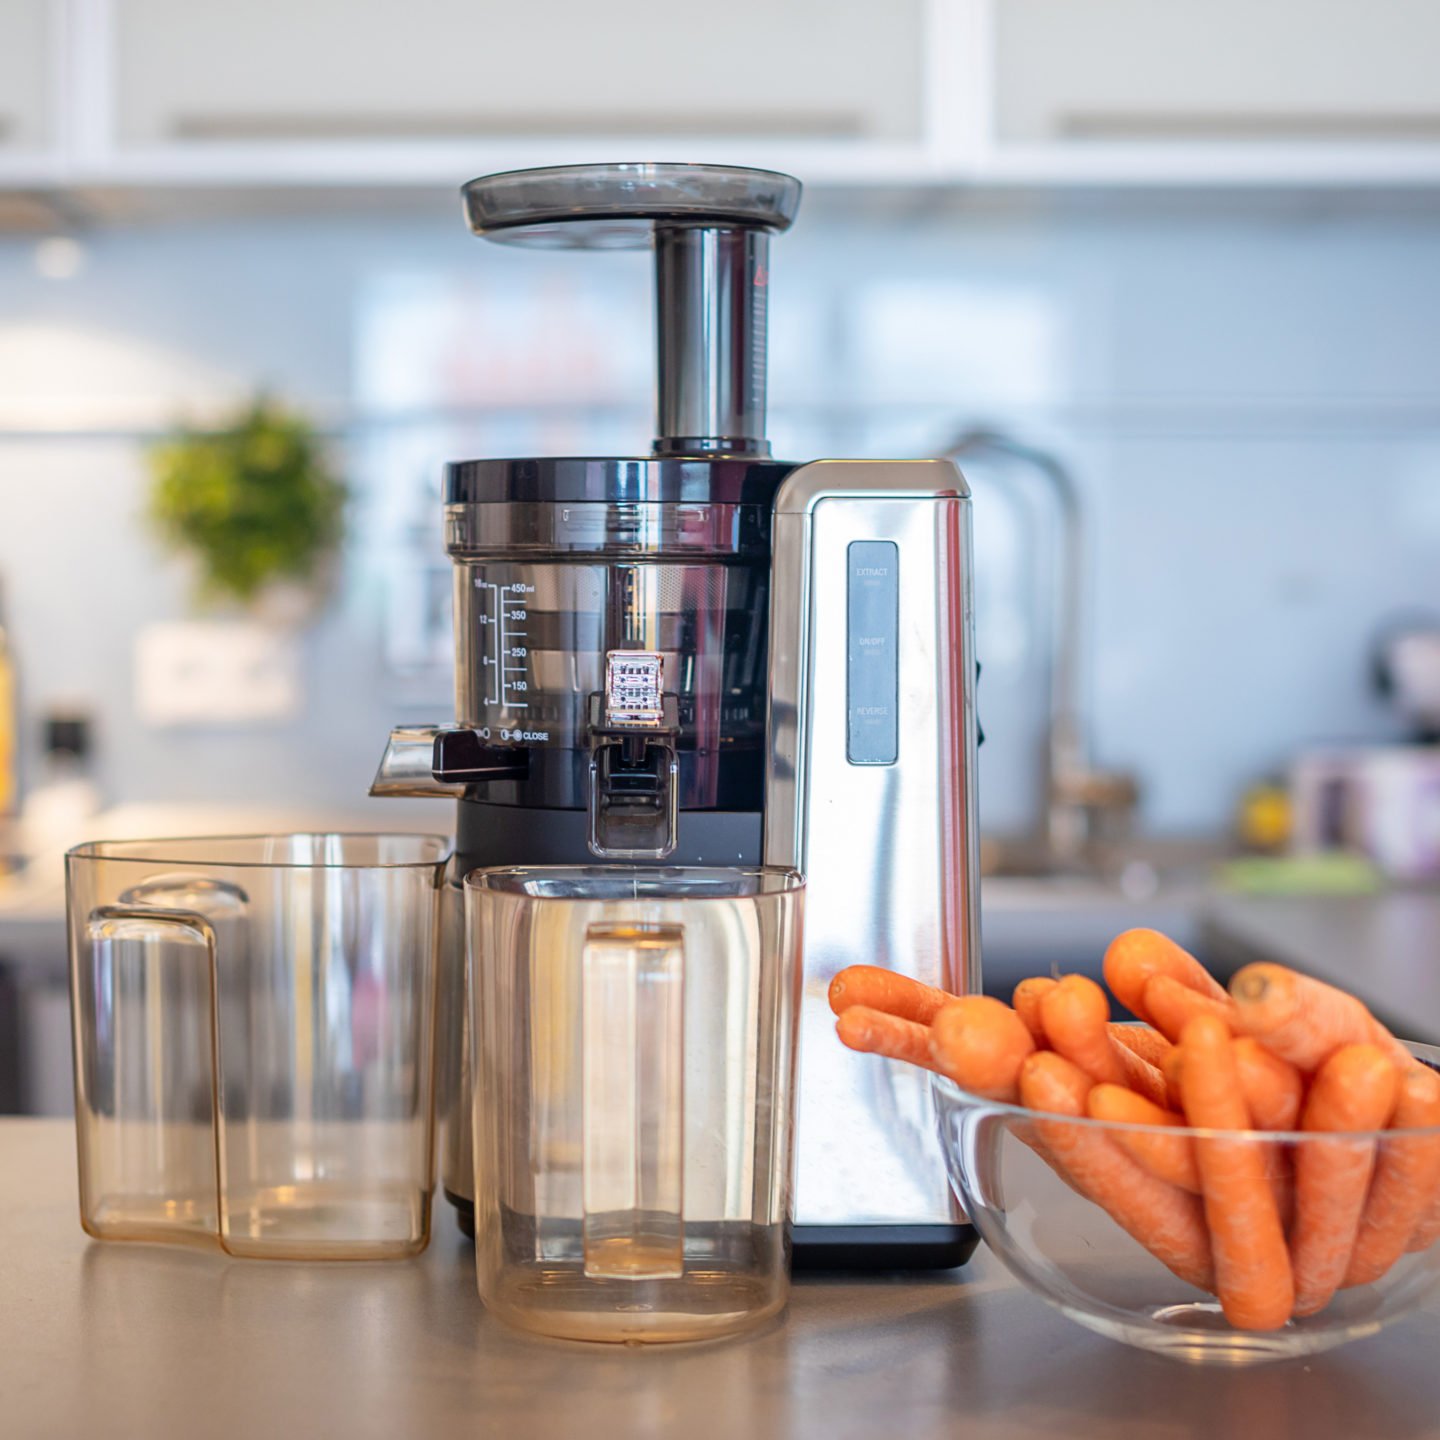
<point>707,656</point>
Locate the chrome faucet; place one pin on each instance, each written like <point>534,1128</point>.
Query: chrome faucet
<point>1075,796</point>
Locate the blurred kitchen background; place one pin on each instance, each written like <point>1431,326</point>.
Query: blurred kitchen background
<point>1174,270</point>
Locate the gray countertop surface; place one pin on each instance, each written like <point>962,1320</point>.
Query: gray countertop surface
<point>1384,948</point>
<point>101,1340</point>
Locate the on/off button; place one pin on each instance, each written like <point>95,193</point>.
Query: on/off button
<point>872,735</point>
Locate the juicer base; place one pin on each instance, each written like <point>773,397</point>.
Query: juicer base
<point>851,1248</point>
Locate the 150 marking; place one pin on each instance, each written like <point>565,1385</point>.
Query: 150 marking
<point>507,656</point>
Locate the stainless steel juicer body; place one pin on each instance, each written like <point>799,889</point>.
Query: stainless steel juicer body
<point>708,657</point>
<point>870,793</point>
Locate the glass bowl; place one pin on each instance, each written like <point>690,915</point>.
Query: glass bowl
<point>1072,1253</point>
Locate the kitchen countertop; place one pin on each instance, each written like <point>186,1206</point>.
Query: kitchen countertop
<point>1384,948</point>
<point>147,1341</point>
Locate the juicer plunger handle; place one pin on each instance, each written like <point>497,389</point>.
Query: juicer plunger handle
<point>710,228</point>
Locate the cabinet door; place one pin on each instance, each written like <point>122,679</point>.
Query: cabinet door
<point>277,70</point>
<point>25,68</point>
<point>1217,70</point>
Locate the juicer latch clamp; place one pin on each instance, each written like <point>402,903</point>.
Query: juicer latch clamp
<point>462,757</point>
<point>634,766</point>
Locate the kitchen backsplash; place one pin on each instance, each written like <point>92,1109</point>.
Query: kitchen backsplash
<point>1248,396</point>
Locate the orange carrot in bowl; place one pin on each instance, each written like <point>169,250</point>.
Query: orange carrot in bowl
<point>1304,1020</point>
<point>879,989</point>
<point>878,1033</point>
<point>1354,1090</point>
<point>980,1043</point>
<point>1167,1157</point>
<point>1027,1000</point>
<point>1138,954</point>
<point>1076,1015</point>
<point>1142,1040</point>
<point>1273,1087</point>
<point>1407,1174</point>
<point>1170,1069</point>
<point>1141,1076</point>
<point>1428,1230</point>
<point>1266,1083</point>
<point>1252,1265</point>
<point>1171,1005</point>
<point>1164,1219</point>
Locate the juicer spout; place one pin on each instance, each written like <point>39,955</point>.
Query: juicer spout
<point>446,760</point>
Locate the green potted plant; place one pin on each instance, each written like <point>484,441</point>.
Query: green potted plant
<point>255,505</point>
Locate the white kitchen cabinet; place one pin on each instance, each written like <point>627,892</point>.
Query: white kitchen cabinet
<point>26,68</point>
<point>272,72</point>
<point>1310,72</point>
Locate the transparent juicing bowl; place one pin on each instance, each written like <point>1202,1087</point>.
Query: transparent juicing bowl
<point>635,1052</point>
<point>1074,1253</point>
<point>253,1024</point>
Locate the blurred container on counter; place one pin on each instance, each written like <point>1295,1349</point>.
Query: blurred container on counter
<point>66,797</point>
<point>1382,802</point>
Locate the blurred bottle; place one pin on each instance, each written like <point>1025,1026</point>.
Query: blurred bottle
<point>1265,818</point>
<point>9,724</point>
<point>66,796</point>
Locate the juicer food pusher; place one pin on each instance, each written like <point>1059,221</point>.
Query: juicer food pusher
<point>707,656</point>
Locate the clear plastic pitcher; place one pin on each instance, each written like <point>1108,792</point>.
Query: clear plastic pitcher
<point>634,1037</point>
<point>254,1026</point>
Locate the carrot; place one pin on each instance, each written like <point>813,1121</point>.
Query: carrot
<point>877,1033</point>
<point>881,989</point>
<point>1164,1219</point>
<point>1138,954</point>
<point>1273,1087</point>
<point>1075,1014</point>
<point>1355,1089</point>
<point>1141,1076</point>
<point>1303,1020</point>
<point>1026,1000</point>
<point>1142,1040</point>
<point>1407,1172</point>
<point>979,1043</point>
<point>1076,1018</point>
<point>1428,1230</point>
<point>1252,1265</point>
<point>1170,1069</point>
<point>1172,1005</point>
<point>1167,1157</point>
<point>1280,1171</point>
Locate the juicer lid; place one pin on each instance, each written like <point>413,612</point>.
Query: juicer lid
<point>618,206</point>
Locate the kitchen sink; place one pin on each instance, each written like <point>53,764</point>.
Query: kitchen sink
<point>1037,917</point>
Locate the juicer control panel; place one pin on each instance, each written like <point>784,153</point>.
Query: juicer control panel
<point>872,675</point>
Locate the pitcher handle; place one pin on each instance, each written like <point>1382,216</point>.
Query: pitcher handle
<point>633,1016</point>
<point>148,924</point>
